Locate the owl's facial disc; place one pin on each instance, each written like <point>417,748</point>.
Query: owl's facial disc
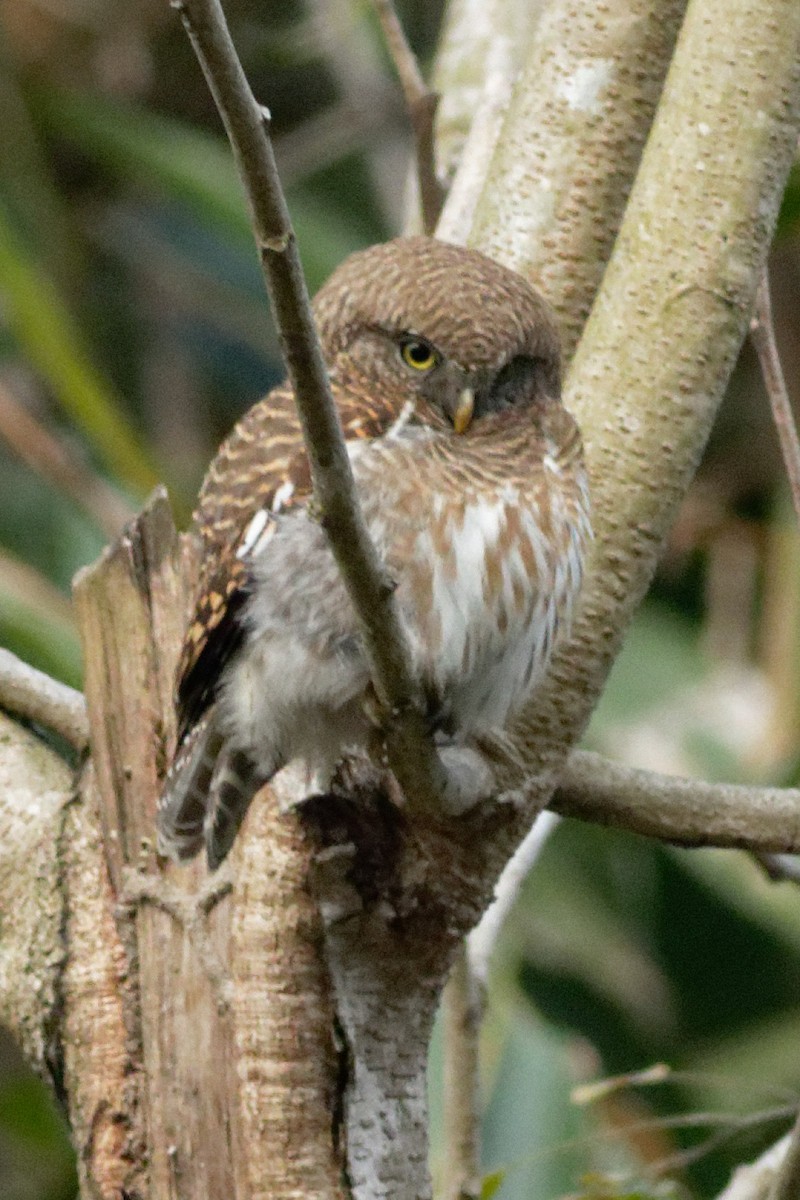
<point>521,382</point>
<point>450,392</point>
<point>443,384</point>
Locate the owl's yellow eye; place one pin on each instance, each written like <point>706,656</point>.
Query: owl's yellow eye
<point>418,354</point>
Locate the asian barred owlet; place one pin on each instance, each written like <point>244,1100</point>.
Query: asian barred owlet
<point>445,369</point>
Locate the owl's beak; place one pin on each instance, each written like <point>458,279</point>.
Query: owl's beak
<point>465,407</point>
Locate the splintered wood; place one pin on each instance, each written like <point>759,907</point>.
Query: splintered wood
<point>198,1063</point>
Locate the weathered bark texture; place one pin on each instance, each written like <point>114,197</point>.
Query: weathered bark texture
<point>189,1024</point>
<point>558,167</point>
<point>35,789</point>
<point>140,1003</point>
<point>260,1034</point>
<point>483,46</point>
<point>263,1035</point>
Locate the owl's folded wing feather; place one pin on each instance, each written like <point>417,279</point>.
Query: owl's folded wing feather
<point>261,467</point>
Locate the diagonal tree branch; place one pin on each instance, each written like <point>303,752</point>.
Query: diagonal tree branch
<point>666,327</point>
<point>422,104</point>
<point>411,752</point>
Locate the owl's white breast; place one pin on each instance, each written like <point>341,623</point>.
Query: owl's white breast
<point>503,578</point>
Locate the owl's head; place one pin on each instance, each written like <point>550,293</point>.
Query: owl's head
<point>443,326</point>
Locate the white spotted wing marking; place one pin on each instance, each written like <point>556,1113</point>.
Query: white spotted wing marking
<point>282,496</point>
<point>262,526</point>
<point>258,533</point>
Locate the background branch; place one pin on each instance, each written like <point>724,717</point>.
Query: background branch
<point>762,335</point>
<point>35,788</point>
<point>462,1011</point>
<point>37,697</point>
<point>787,1178</point>
<point>422,104</point>
<point>55,462</point>
<point>411,752</point>
<point>687,812</point>
<point>463,1004</point>
<point>754,1180</point>
<point>482,46</point>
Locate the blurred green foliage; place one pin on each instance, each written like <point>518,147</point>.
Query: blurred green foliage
<point>36,1159</point>
<point>134,330</point>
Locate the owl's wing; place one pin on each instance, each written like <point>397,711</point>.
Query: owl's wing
<point>262,466</point>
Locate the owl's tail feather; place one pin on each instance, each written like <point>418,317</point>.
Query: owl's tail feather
<point>184,801</point>
<point>206,795</point>
<point>234,783</point>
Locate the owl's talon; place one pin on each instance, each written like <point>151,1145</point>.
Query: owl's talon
<point>372,708</point>
<point>469,779</point>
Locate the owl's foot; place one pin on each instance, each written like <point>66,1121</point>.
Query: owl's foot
<point>469,779</point>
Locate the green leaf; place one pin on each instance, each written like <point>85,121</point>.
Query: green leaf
<point>491,1183</point>
<point>187,164</point>
<point>789,216</point>
<point>27,186</point>
<point>132,143</point>
<point>45,333</point>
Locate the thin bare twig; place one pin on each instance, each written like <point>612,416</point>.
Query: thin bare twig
<point>483,938</point>
<point>762,335</point>
<point>35,696</point>
<point>463,1004</point>
<point>56,463</point>
<point>686,812</point>
<point>681,1159</point>
<point>463,1007</point>
<point>422,104</point>
<point>412,755</point>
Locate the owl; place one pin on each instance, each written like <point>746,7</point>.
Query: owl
<point>444,366</point>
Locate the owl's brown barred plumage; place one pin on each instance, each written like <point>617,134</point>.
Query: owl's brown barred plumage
<point>445,369</point>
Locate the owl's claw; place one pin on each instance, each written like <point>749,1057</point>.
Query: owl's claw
<point>372,708</point>
<point>469,779</point>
